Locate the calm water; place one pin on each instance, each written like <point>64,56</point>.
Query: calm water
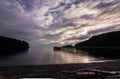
<point>40,56</point>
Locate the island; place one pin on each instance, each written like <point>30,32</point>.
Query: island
<point>57,48</point>
<point>107,40</point>
<point>98,45</point>
<point>10,45</point>
<point>62,48</point>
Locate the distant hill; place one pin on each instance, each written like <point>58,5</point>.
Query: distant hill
<point>107,40</point>
<point>10,45</point>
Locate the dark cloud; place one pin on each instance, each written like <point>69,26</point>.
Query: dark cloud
<point>79,1</point>
<point>68,6</point>
<point>26,4</point>
<point>87,17</point>
<point>104,4</point>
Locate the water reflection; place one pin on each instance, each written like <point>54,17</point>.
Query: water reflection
<point>76,56</point>
<point>104,53</point>
<point>93,53</point>
<point>40,56</point>
<point>10,54</point>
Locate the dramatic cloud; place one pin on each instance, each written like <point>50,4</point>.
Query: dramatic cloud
<point>58,21</point>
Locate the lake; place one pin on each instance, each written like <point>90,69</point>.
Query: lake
<point>43,56</point>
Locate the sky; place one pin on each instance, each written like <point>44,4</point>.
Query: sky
<point>58,22</point>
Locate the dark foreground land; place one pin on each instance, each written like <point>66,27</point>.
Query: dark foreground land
<point>104,70</point>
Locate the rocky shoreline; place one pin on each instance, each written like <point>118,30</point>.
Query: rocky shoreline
<point>56,70</point>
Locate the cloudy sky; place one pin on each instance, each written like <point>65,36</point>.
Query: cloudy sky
<point>58,22</point>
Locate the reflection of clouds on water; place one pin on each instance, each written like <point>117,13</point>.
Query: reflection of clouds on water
<point>75,58</point>
<point>41,56</point>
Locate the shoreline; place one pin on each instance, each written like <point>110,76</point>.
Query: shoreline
<point>52,71</point>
